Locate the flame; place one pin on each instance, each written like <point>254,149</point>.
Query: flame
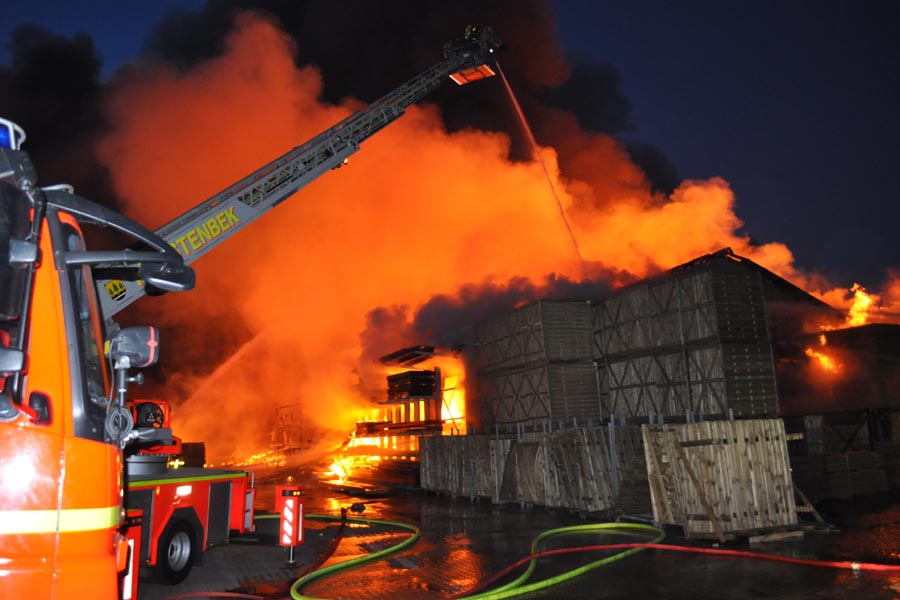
<point>454,399</point>
<point>863,307</point>
<point>359,454</point>
<point>340,469</point>
<point>303,278</point>
<point>823,360</point>
<point>862,304</point>
<point>268,458</point>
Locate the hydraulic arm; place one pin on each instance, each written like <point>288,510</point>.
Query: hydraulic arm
<point>205,226</point>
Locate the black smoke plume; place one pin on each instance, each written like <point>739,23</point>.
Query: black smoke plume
<point>53,86</point>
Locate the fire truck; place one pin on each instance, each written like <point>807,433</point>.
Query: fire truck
<point>71,447</point>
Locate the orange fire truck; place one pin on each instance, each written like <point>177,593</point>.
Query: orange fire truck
<point>70,449</point>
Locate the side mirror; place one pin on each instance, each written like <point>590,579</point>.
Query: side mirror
<point>167,278</point>
<point>139,346</point>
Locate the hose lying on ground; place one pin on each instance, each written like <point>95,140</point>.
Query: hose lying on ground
<point>508,590</point>
<point>354,562</point>
<point>832,564</point>
<point>852,565</point>
<point>518,587</point>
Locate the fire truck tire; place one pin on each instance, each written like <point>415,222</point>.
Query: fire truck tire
<point>176,552</point>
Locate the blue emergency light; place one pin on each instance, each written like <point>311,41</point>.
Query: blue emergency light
<point>11,135</point>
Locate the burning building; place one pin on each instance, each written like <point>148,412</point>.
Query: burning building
<point>701,340</point>
<point>419,401</point>
<point>714,339</point>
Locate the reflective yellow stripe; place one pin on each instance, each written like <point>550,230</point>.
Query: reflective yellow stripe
<point>189,479</point>
<point>51,521</point>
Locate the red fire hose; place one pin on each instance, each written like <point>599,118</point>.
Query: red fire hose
<point>852,565</point>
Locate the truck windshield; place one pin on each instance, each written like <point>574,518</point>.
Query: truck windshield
<point>90,405</point>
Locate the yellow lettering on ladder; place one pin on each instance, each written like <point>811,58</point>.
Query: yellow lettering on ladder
<point>212,229</point>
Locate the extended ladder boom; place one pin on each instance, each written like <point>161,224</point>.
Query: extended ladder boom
<point>200,229</point>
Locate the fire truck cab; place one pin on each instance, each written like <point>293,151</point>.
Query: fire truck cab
<point>63,381</point>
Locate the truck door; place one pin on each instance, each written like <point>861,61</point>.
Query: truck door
<point>60,483</point>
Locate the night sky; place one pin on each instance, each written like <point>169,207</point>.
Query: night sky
<point>794,103</point>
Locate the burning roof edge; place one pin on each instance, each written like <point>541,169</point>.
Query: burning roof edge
<point>798,294</point>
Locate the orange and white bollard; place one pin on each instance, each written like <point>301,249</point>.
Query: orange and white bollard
<point>289,504</point>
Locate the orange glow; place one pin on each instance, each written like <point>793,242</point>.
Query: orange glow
<point>269,458</point>
<point>862,304</point>
<point>822,359</point>
<point>863,307</point>
<point>454,399</point>
<point>340,469</point>
<point>304,277</point>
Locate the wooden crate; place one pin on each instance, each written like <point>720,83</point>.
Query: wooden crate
<point>706,380</point>
<point>540,332</point>
<point>462,465</point>
<point>717,300</point>
<point>577,469</point>
<point>720,479</point>
<point>542,392</point>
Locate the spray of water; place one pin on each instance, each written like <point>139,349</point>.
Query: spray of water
<point>536,155</point>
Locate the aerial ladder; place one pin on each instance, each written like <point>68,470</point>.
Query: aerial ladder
<point>65,366</point>
<point>202,228</point>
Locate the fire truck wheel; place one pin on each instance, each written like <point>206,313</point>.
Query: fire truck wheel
<point>176,552</point>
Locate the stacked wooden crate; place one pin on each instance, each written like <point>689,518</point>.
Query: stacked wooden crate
<point>589,469</point>
<point>411,384</point>
<point>721,479</point>
<point>534,365</point>
<point>469,465</point>
<point>693,341</point>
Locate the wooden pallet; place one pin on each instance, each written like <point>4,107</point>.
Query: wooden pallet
<point>720,479</point>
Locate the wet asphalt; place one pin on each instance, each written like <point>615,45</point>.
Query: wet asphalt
<point>465,541</point>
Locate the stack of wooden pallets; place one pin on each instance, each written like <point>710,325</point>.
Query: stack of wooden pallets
<point>534,365</point>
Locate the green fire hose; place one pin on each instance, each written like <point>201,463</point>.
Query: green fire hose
<point>509,590</point>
